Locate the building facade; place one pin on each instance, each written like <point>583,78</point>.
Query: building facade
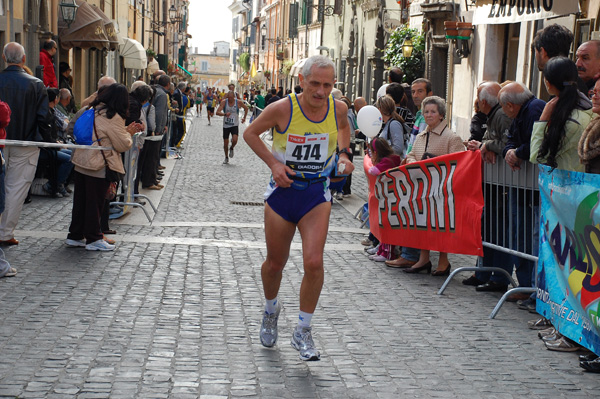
<point>107,37</point>
<point>211,70</point>
<point>279,34</point>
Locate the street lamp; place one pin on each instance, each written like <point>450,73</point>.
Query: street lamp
<point>174,15</point>
<point>68,10</point>
<point>407,47</point>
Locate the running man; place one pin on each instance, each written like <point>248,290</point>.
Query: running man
<point>229,109</point>
<point>209,99</point>
<point>198,102</point>
<point>231,87</point>
<point>298,195</point>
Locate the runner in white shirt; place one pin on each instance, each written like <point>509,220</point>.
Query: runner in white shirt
<point>229,109</point>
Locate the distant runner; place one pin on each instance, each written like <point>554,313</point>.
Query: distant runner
<point>229,109</point>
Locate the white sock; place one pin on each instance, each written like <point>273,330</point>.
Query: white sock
<point>271,305</point>
<point>304,319</point>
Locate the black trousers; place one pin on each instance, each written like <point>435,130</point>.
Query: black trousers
<point>177,132</point>
<point>148,163</point>
<point>88,201</point>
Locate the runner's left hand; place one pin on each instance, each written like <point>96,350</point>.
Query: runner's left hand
<point>349,166</point>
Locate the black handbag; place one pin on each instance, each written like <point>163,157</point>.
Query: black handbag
<point>427,155</point>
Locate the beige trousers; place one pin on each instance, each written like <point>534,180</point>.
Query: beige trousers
<point>21,163</point>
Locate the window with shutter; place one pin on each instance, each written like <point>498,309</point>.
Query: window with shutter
<point>293,20</point>
<point>337,7</point>
<point>320,10</point>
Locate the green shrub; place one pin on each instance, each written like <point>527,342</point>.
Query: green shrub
<point>413,66</point>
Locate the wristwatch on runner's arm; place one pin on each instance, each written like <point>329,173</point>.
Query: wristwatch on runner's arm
<point>346,151</point>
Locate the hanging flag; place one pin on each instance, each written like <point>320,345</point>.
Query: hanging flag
<point>253,70</point>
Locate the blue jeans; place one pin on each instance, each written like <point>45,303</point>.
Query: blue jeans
<point>411,254</point>
<point>64,165</point>
<point>525,211</point>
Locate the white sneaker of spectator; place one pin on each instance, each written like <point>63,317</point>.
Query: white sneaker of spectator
<point>100,245</point>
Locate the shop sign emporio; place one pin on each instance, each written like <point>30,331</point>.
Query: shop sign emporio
<point>511,11</point>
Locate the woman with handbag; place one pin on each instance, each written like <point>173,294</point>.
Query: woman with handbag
<point>437,139</point>
<point>95,170</point>
<point>394,128</point>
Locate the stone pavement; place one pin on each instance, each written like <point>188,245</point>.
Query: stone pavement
<point>174,312</point>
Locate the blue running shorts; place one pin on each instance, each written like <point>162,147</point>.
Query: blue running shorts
<point>292,204</point>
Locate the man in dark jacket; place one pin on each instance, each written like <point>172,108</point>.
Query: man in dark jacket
<point>524,109</point>
<point>178,128</point>
<point>161,109</point>
<point>492,145</point>
<point>28,100</point>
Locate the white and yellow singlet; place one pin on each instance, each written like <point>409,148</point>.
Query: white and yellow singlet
<point>307,146</point>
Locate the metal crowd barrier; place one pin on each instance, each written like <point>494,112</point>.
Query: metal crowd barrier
<point>256,111</point>
<point>171,152</point>
<point>41,144</point>
<point>510,221</point>
<point>130,160</point>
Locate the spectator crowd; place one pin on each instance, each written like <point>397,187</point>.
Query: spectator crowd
<point>509,125</point>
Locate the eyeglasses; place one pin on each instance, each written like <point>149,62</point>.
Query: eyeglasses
<point>593,93</point>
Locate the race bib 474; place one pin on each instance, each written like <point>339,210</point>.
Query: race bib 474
<point>307,153</point>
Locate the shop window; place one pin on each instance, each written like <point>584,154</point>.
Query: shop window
<point>583,30</point>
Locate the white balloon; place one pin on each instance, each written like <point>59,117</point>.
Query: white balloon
<point>369,120</point>
<point>381,91</point>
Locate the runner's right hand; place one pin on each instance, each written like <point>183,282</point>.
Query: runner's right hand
<point>281,174</point>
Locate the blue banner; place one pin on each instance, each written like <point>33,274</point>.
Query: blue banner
<point>569,258</point>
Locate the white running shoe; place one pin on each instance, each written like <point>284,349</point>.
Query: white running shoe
<point>303,342</point>
<point>226,161</point>
<point>268,328</point>
<point>74,243</point>
<point>100,245</point>
<point>379,258</point>
<point>373,251</point>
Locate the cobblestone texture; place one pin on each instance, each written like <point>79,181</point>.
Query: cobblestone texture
<point>174,312</point>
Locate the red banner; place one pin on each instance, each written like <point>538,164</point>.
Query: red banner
<point>434,204</point>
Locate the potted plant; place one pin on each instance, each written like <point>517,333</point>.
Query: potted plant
<point>451,28</point>
<point>280,55</point>
<point>465,29</point>
<point>150,53</point>
<point>287,67</point>
<point>267,74</point>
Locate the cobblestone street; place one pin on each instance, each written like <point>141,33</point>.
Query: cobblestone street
<point>174,311</point>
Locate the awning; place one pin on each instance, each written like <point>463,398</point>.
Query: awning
<point>297,67</point>
<point>491,12</point>
<point>87,31</point>
<point>109,29</point>
<point>184,70</point>
<point>133,53</point>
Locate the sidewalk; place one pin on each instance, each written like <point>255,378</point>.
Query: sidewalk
<point>175,311</point>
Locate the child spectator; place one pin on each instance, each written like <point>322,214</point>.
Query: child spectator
<point>383,158</point>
